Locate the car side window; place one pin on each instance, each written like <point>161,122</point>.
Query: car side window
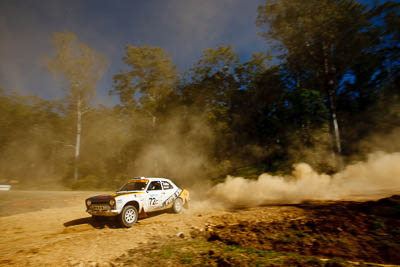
<point>155,185</point>
<point>167,185</point>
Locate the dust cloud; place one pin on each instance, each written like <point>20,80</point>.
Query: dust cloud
<point>379,174</point>
<point>179,149</point>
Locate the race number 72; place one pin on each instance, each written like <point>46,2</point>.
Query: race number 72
<point>153,201</point>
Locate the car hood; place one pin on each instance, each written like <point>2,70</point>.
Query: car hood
<point>110,196</point>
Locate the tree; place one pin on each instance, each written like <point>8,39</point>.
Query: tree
<point>148,86</point>
<point>149,82</point>
<point>27,138</point>
<point>228,93</point>
<point>210,90</point>
<point>81,67</point>
<point>320,40</point>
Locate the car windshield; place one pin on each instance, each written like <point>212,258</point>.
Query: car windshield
<point>134,185</point>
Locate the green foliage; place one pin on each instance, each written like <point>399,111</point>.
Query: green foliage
<point>80,65</point>
<point>224,115</point>
<point>199,252</point>
<point>166,253</point>
<point>323,41</point>
<point>378,224</point>
<point>151,78</point>
<point>250,171</point>
<point>30,138</point>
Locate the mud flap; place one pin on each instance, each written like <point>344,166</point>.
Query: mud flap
<point>142,215</point>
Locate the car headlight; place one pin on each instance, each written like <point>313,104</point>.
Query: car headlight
<point>88,202</point>
<point>112,202</point>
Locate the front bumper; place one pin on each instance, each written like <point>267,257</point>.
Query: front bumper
<point>103,213</point>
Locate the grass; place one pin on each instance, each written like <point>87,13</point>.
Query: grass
<point>378,224</point>
<point>287,239</point>
<point>166,252</point>
<point>187,258</point>
<point>199,252</point>
<point>299,233</point>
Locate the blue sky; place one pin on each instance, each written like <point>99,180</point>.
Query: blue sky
<point>182,27</point>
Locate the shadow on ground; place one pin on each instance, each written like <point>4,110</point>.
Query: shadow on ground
<point>108,222</point>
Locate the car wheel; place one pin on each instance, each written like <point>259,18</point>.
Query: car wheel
<point>128,216</point>
<point>178,205</point>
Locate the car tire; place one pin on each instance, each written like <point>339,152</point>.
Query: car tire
<point>128,216</point>
<point>178,205</point>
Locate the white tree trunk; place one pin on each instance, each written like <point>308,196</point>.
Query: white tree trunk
<point>336,136</point>
<point>334,123</point>
<point>154,122</point>
<point>336,132</point>
<point>330,90</point>
<point>78,137</point>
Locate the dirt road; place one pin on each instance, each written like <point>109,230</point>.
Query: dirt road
<point>53,229</point>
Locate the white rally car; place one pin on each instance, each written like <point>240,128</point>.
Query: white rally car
<point>139,195</point>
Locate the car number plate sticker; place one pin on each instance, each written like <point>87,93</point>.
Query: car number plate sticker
<point>99,207</point>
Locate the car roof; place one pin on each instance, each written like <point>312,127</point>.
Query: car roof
<point>150,178</point>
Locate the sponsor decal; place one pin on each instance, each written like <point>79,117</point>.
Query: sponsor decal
<point>138,181</point>
<point>172,197</point>
<point>100,207</point>
<point>124,194</point>
<point>153,201</point>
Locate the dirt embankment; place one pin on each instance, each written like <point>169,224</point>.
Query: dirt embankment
<point>52,228</point>
<point>368,231</point>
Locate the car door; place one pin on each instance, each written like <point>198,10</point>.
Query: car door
<point>155,194</point>
<point>170,193</point>
<point>167,194</point>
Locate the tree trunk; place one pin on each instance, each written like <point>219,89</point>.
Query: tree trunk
<point>78,137</point>
<point>334,123</point>
<point>154,125</point>
<point>154,120</point>
<point>331,93</point>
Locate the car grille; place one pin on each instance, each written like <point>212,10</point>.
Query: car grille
<point>100,201</point>
<point>100,207</point>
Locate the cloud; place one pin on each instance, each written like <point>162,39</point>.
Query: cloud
<point>26,33</point>
<point>182,27</point>
<point>188,27</point>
